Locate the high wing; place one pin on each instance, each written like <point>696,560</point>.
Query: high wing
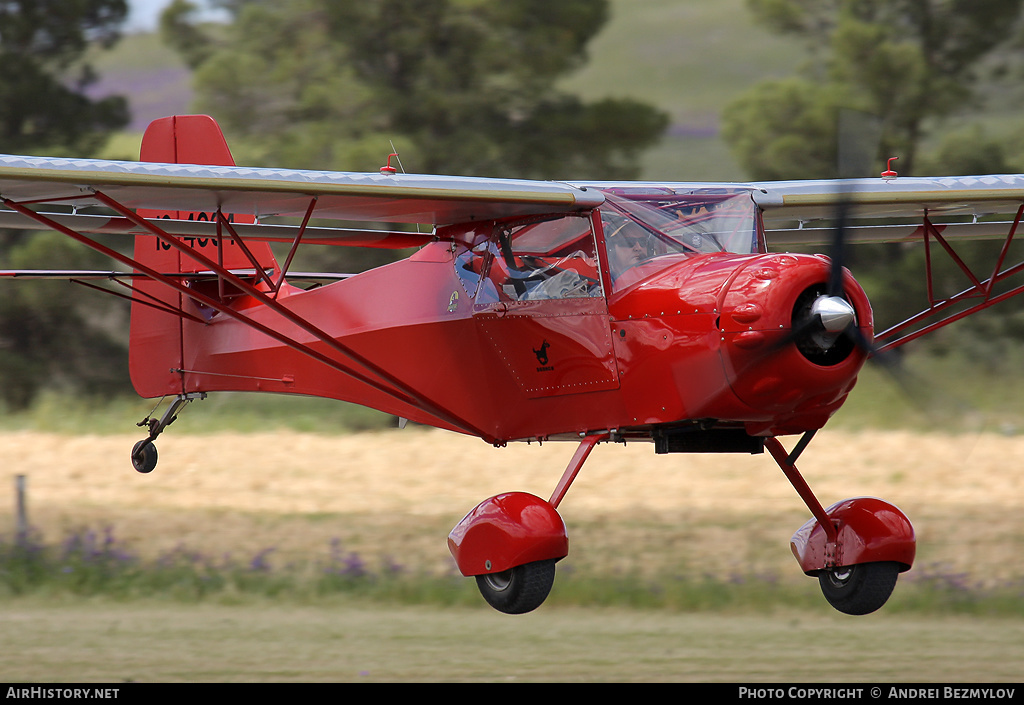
<point>207,228</point>
<point>191,270</point>
<point>341,196</point>
<point>927,211</point>
<point>893,210</point>
<point>767,344</point>
<point>795,212</point>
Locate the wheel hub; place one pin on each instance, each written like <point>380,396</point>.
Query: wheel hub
<point>499,581</point>
<point>840,576</point>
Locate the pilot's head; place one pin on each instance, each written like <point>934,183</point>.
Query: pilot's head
<point>627,244</point>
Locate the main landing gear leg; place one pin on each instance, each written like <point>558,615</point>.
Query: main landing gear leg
<point>856,548</point>
<point>144,455</point>
<point>511,542</point>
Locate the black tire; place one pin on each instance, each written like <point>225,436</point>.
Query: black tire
<point>520,589</point>
<point>859,589</point>
<point>144,456</point>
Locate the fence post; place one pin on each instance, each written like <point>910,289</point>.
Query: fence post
<point>22,517</point>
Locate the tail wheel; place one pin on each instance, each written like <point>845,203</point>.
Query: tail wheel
<point>859,589</point>
<point>144,456</point>
<point>520,589</point>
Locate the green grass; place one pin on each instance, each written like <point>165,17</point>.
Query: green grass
<point>123,146</point>
<point>928,393</point>
<point>223,411</point>
<point>95,563</point>
<point>693,58</point>
<point>688,58</point>
<point>346,640</point>
<point>925,393</point>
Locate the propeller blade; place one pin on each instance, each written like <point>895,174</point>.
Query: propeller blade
<point>857,140</point>
<point>837,253</point>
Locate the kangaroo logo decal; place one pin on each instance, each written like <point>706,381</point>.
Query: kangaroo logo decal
<point>542,357</point>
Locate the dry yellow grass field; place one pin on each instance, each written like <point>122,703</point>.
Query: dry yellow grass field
<point>395,494</point>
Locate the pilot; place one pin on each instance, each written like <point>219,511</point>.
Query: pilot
<point>627,245</point>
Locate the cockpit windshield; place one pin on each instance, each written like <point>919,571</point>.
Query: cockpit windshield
<point>645,231</point>
<point>645,227</point>
<point>694,222</point>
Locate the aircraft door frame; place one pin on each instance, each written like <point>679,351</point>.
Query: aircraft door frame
<point>540,304</point>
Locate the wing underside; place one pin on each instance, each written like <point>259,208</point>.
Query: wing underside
<point>878,210</point>
<point>928,212</point>
<point>341,196</point>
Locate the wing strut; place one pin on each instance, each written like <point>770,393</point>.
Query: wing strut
<point>983,291</point>
<point>386,383</point>
<point>138,296</point>
<point>294,247</point>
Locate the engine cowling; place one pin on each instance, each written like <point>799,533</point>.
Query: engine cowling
<point>791,349</point>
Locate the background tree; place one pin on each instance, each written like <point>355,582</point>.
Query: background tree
<point>46,336</point>
<point>907,62</point>
<point>43,103</point>
<point>51,335</point>
<point>460,87</point>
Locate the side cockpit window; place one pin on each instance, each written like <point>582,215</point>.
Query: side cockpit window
<point>469,266</point>
<point>538,260</point>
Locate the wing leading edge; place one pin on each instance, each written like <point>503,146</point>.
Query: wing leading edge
<point>394,198</point>
<point>880,210</point>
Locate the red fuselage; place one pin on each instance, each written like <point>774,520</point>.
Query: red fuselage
<point>685,337</point>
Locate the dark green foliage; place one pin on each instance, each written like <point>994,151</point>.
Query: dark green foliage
<point>459,87</point>
<point>785,129</point>
<point>46,338</point>
<point>54,334</point>
<point>967,151</point>
<point>43,103</point>
<point>907,62</point>
<point>902,66</point>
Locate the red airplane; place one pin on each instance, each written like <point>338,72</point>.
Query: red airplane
<point>530,311</point>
